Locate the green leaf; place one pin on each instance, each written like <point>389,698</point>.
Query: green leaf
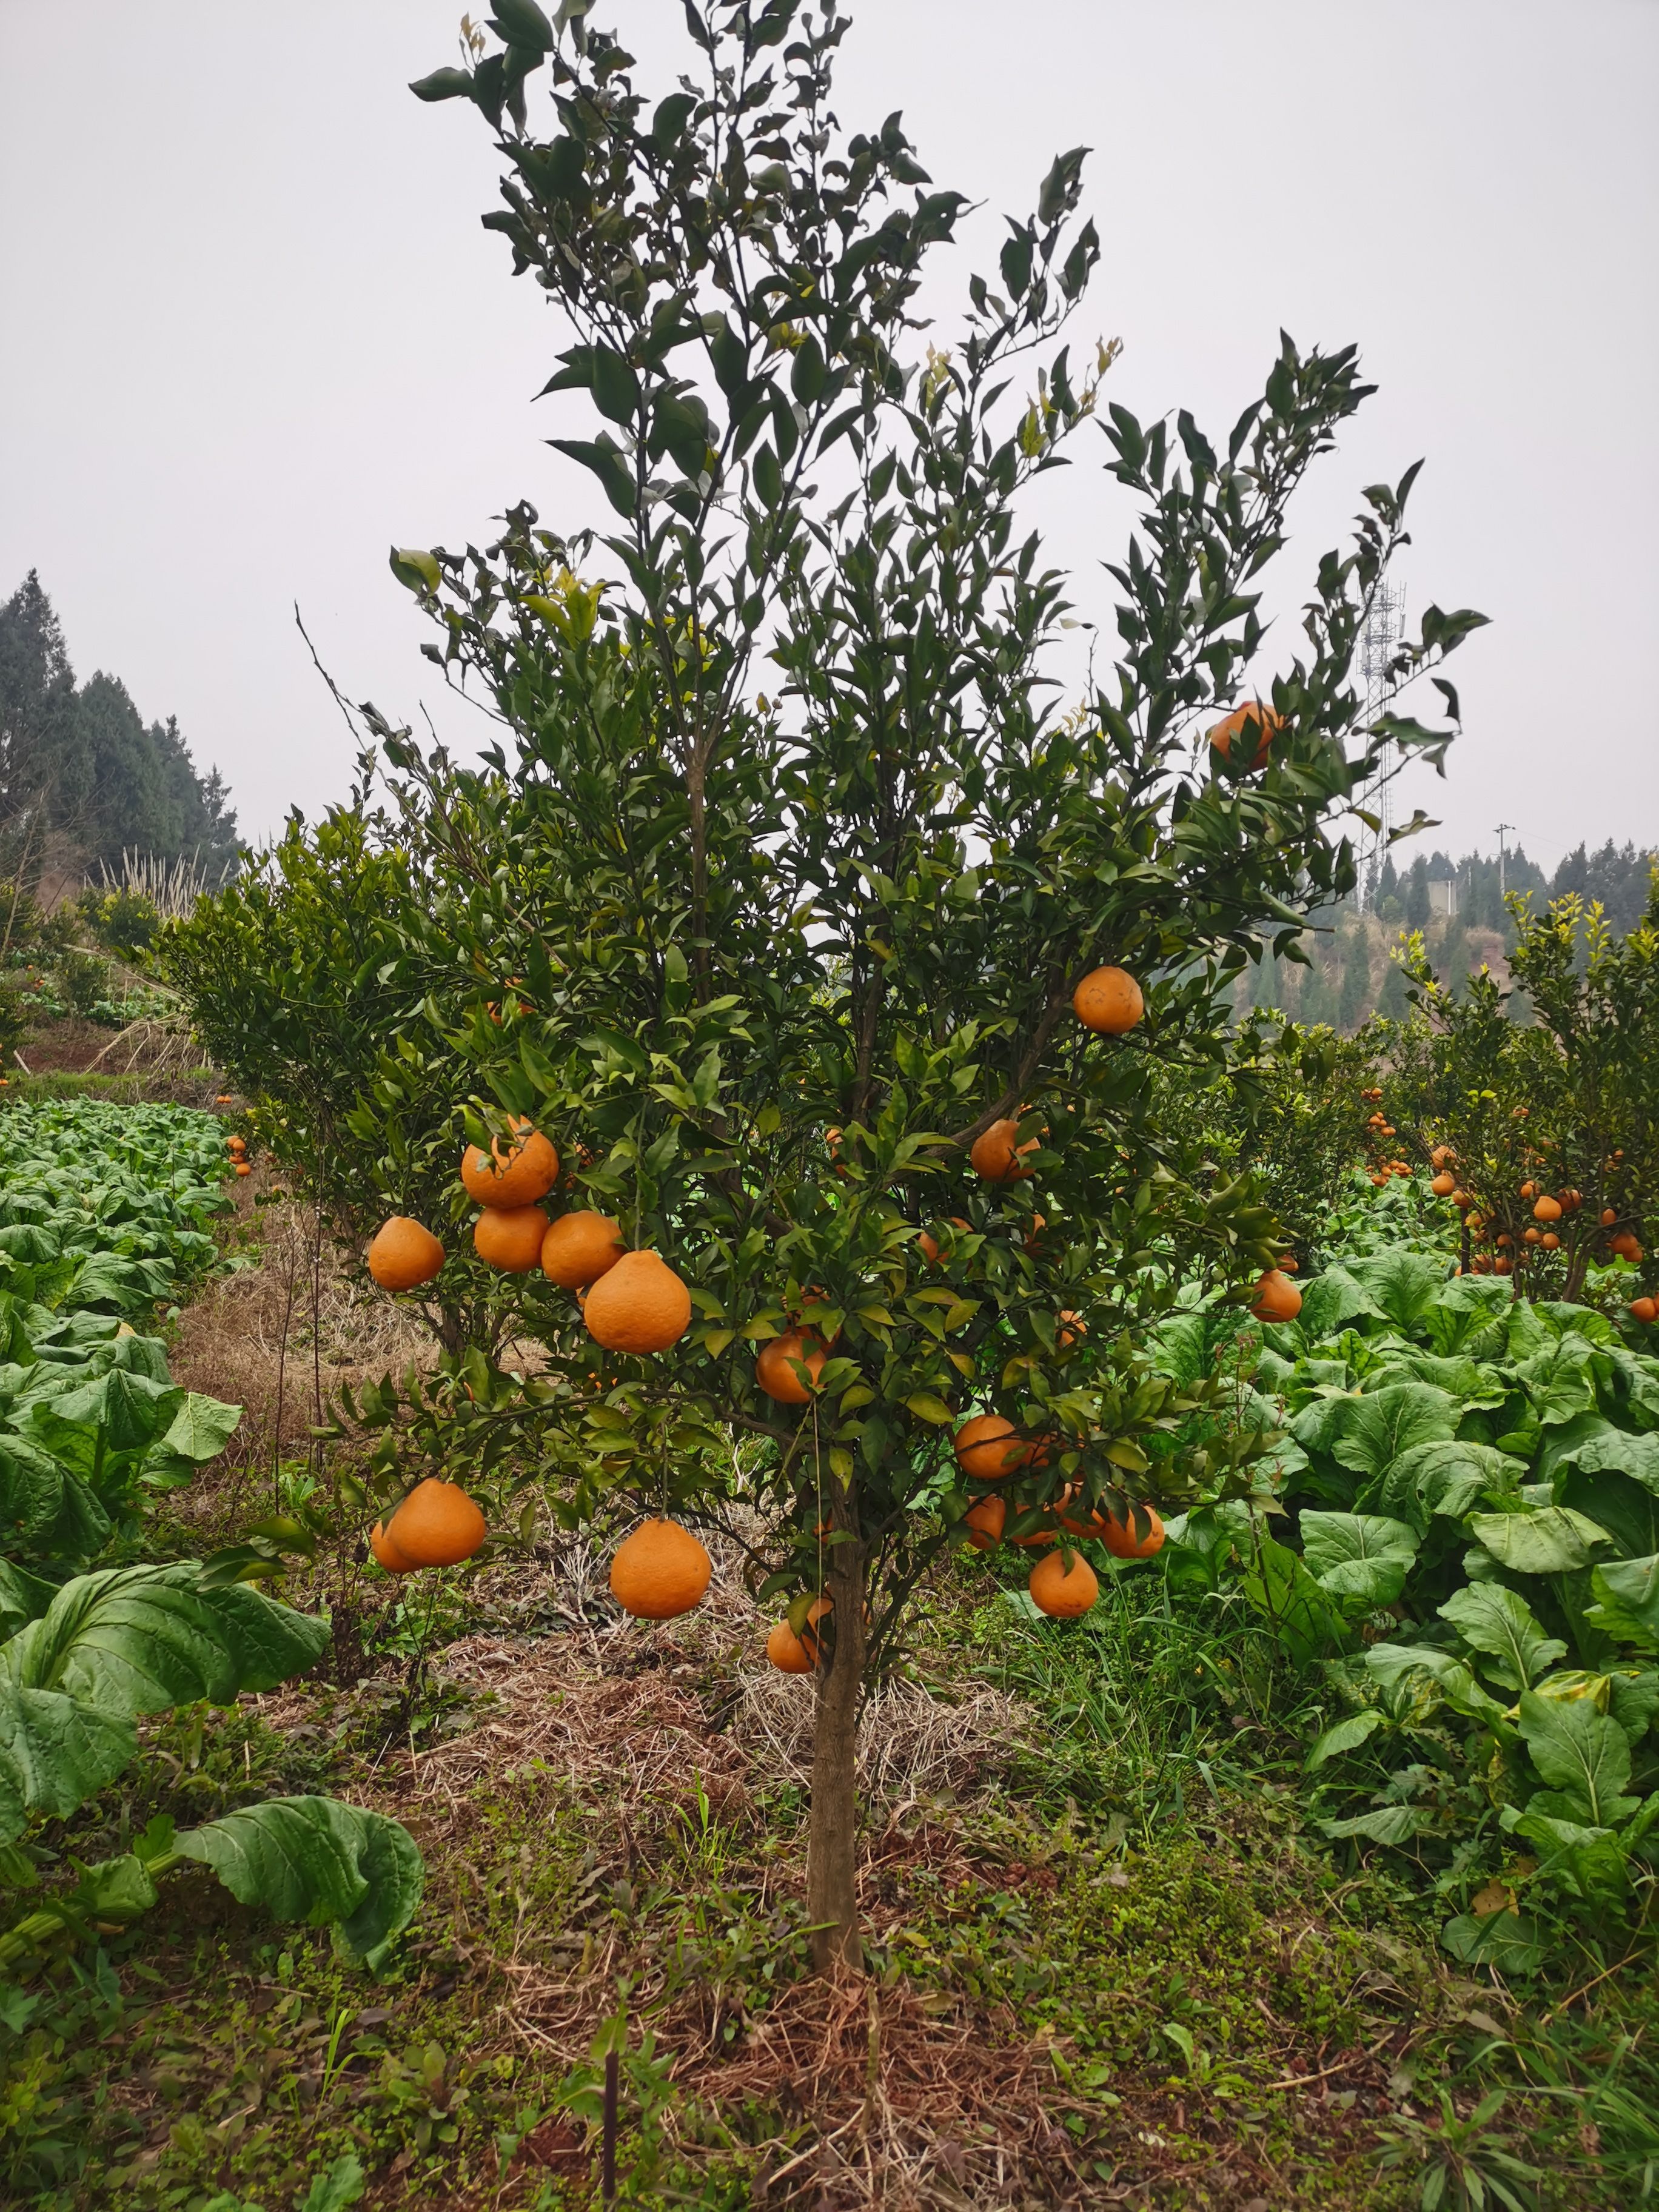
<point>341,2185</point>
<point>417,570</point>
<point>1279,1586</point>
<point>927,1408</point>
<point>1508,1940</point>
<point>1402,1284</point>
<point>54,1755</point>
<point>1581,1753</point>
<point>522,23</point>
<point>1448,1476</point>
<point>1551,1539</point>
<point>1376,1430</point>
<point>1358,1559</point>
<point>1627,1601</point>
<point>1388,1824</point>
<point>1345,1734</point>
<point>315,1858</point>
<point>1438,1674</point>
<point>134,1640</point>
<point>441,84</point>
<point>1333,1299</point>
<point>201,1428</point>
<point>1494,1620</point>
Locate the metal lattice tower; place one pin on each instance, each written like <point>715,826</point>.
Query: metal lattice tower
<point>1379,641</point>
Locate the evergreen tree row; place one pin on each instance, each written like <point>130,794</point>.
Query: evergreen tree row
<point>84,777</point>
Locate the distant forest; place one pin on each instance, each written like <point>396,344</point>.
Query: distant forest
<point>1352,973</point>
<point>83,777</point>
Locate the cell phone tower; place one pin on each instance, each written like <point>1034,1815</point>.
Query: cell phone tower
<point>1379,641</point>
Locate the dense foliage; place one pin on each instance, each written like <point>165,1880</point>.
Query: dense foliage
<point>104,1214</point>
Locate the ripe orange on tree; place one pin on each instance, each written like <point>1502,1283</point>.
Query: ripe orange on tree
<point>988,1448</point>
<point>510,1237</point>
<point>1645,1310</point>
<point>516,1170</point>
<point>579,1248</point>
<point>1252,721</point>
<point>986,1520</point>
<point>1109,1001</point>
<point>1063,1585</point>
<point>404,1254</point>
<point>1276,1298</point>
<point>999,1156</point>
<point>661,1571</point>
<point>777,1367</point>
<point>437,1525</point>
<point>640,1305</point>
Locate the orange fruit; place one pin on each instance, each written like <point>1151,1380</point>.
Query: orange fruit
<point>1441,1156</point>
<point>403,1255</point>
<point>510,1237</point>
<point>1645,1310</point>
<point>997,1156</point>
<point>1443,1185</point>
<point>236,1145</point>
<point>1251,721</point>
<point>1503,1264</point>
<point>437,1525</point>
<point>639,1305</point>
<point>928,1243</point>
<point>1109,1001</point>
<point>1531,1235</point>
<point>1609,1217</point>
<point>1546,1209</point>
<point>658,1572</point>
<point>513,1172</point>
<point>1277,1298</point>
<point>1625,1245</point>
<point>776,1370</point>
<point>1462,1199</point>
<point>986,1521</point>
<point>1549,1241</point>
<point>242,1168</point>
<point>787,1653</point>
<point>1063,1590</point>
<point>1287,1263</point>
<point>579,1248</point>
<point>387,1553</point>
<point>1120,1540</point>
<point>1071,1328</point>
<point>988,1448</point>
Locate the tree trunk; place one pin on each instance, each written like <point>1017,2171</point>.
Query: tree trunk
<point>831,1887</point>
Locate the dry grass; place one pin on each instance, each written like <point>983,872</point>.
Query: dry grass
<point>279,1336</point>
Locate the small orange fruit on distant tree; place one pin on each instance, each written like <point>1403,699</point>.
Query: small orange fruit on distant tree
<point>243,1167</point>
<point>1628,1247</point>
<point>777,1367</point>
<point>1070,1328</point>
<point>986,1522</point>
<point>437,1525</point>
<point>1609,1217</point>
<point>1549,1241</point>
<point>660,1572</point>
<point>1645,1310</point>
<point>1546,1209</point>
<point>927,1244</point>
<point>1252,722</point>
<point>640,1305</point>
<point>1443,1185</point>
<point>1063,1586</point>
<point>1109,1001</point>
<point>515,1171</point>
<point>403,1255</point>
<point>988,1448</point>
<point>579,1248</point>
<point>999,1156</point>
<point>510,1237</point>
<point>1277,1298</point>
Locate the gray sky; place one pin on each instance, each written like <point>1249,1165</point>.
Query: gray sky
<point>253,332</point>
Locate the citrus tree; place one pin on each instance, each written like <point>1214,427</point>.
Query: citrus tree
<point>1543,1132</point>
<point>832,953</point>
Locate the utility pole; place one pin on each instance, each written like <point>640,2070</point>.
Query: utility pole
<point>1502,827</point>
<point>1379,641</point>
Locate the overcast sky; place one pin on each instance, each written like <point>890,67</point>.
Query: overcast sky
<point>253,332</point>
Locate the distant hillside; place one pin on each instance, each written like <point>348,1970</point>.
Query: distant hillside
<point>1353,975</point>
<point>84,777</point>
